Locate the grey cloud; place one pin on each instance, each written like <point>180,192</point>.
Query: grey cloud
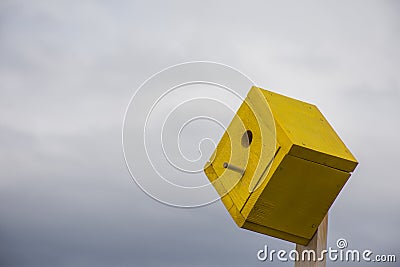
<point>68,70</point>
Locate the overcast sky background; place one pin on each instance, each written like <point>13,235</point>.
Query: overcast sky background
<point>69,68</point>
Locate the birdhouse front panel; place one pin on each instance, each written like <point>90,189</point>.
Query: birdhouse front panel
<point>279,166</point>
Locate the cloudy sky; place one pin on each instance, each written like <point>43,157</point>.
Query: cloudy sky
<point>69,68</point>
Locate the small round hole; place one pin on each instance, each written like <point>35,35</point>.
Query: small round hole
<point>247,138</point>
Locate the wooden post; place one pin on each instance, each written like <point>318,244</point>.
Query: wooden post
<point>317,244</point>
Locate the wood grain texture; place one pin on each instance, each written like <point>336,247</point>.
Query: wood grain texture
<point>310,132</point>
<point>297,197</point>
<point>317,244</point>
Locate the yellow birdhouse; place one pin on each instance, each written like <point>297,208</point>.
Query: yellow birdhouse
<point>279,166</point>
